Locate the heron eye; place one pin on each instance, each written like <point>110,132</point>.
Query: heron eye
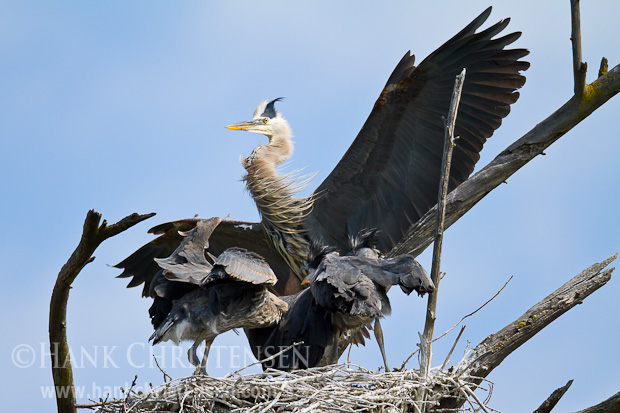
<point>265,120</point>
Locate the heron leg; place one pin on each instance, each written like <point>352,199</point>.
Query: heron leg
<point>202,367</point>
<point>191,352</point>
<point>379,336</point>
<point>335,348</point>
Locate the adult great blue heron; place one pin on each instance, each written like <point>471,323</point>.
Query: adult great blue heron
<point>389,176</point>
<point>206,299</point>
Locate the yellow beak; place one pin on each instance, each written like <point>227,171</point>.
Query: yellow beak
<point>247,125</point>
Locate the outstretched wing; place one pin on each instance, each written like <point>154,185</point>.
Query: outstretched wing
<point>243,265</point>
<point>389,177</point>
<point>188,262</point>
<point>142,268</point>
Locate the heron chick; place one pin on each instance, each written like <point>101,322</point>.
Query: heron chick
<point>353,288</point>
<point>231,293</point>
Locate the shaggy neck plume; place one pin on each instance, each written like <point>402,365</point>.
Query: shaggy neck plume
<point>281,212</point>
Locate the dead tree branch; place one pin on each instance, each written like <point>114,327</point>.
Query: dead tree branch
<point>533,143</point>
<point>552,400</point>
<point>448,147</point>
<point>92,236</point>
<point>402,367</point>
<point>611,405</point>
<point>495,348</point>
<point>579,68</point>
<point>604,68</point>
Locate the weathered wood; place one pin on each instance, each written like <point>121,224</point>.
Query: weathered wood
<point>448,147</point>
<point>552,400</point>
<point>579,68</point>
<point>533,143</point>
<point>92,236</point>
<point>495,348</point>
<point>611,405</point>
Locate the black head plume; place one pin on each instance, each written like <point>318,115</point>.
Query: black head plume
<point>316,253</point>
<point>270,109</point>
<point>366,238</point>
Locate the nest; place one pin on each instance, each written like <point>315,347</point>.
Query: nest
<point>343,388</point>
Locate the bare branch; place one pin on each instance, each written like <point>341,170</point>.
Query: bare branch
<point>167,377</point>
<point>449,143</point>
<point>579,68</point>
<point>552,400</point>
<point>604,67</point>
<point>92,236</point>
<point>533,143</point>
<point>267,359</point>
<point>476,310</point>
<point>447,360</point>
<point>495,348</point>
<point>459,322</point>
<point>611,405</point>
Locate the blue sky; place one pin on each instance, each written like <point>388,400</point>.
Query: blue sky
<point>121,107</point>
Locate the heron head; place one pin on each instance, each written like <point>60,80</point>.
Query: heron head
<point>266,120</point>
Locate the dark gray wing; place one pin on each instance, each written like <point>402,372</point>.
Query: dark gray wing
<point>304,321</point>
<point>335,283</point>
<point>188,263</point>
<point>411,275</point>
<point>242,265</point>
<point>389,177</point>
<point>142,267</point>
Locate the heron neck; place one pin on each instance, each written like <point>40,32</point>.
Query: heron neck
<point>266,158</point>
<point>281,211</point>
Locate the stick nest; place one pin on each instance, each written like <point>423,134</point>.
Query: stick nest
<point>344,388</point>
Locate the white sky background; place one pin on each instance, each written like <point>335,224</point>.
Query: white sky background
<point>122,108</point>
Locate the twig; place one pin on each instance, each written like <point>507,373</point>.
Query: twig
<point>101,403</point>
<point>402,367</point>
<point>495,348</point>
<point>128,392</point>
<point>552,400</point>
<point>429,326</point>
<point>476,310</point>
<point>264,360</point>
<point>579,68</point>
<point>472,394</point>
<point>162,370</point>
<point>443,366</point>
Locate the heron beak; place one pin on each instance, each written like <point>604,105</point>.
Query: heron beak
<point>247,125</point>
<point>305,282</point>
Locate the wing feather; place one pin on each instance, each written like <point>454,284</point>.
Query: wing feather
<point>246,266</point>
<point>142,268</point>
<point>389,177</point>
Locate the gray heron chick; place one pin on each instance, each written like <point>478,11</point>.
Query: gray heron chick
<point>233,292</point>
<point>353,289</point>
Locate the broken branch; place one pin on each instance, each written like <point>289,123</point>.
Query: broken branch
<point>449,143</point>
<point>92,236</point>
<point>495,348</point>
<point>552,400</point>
<point>579,68</point>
